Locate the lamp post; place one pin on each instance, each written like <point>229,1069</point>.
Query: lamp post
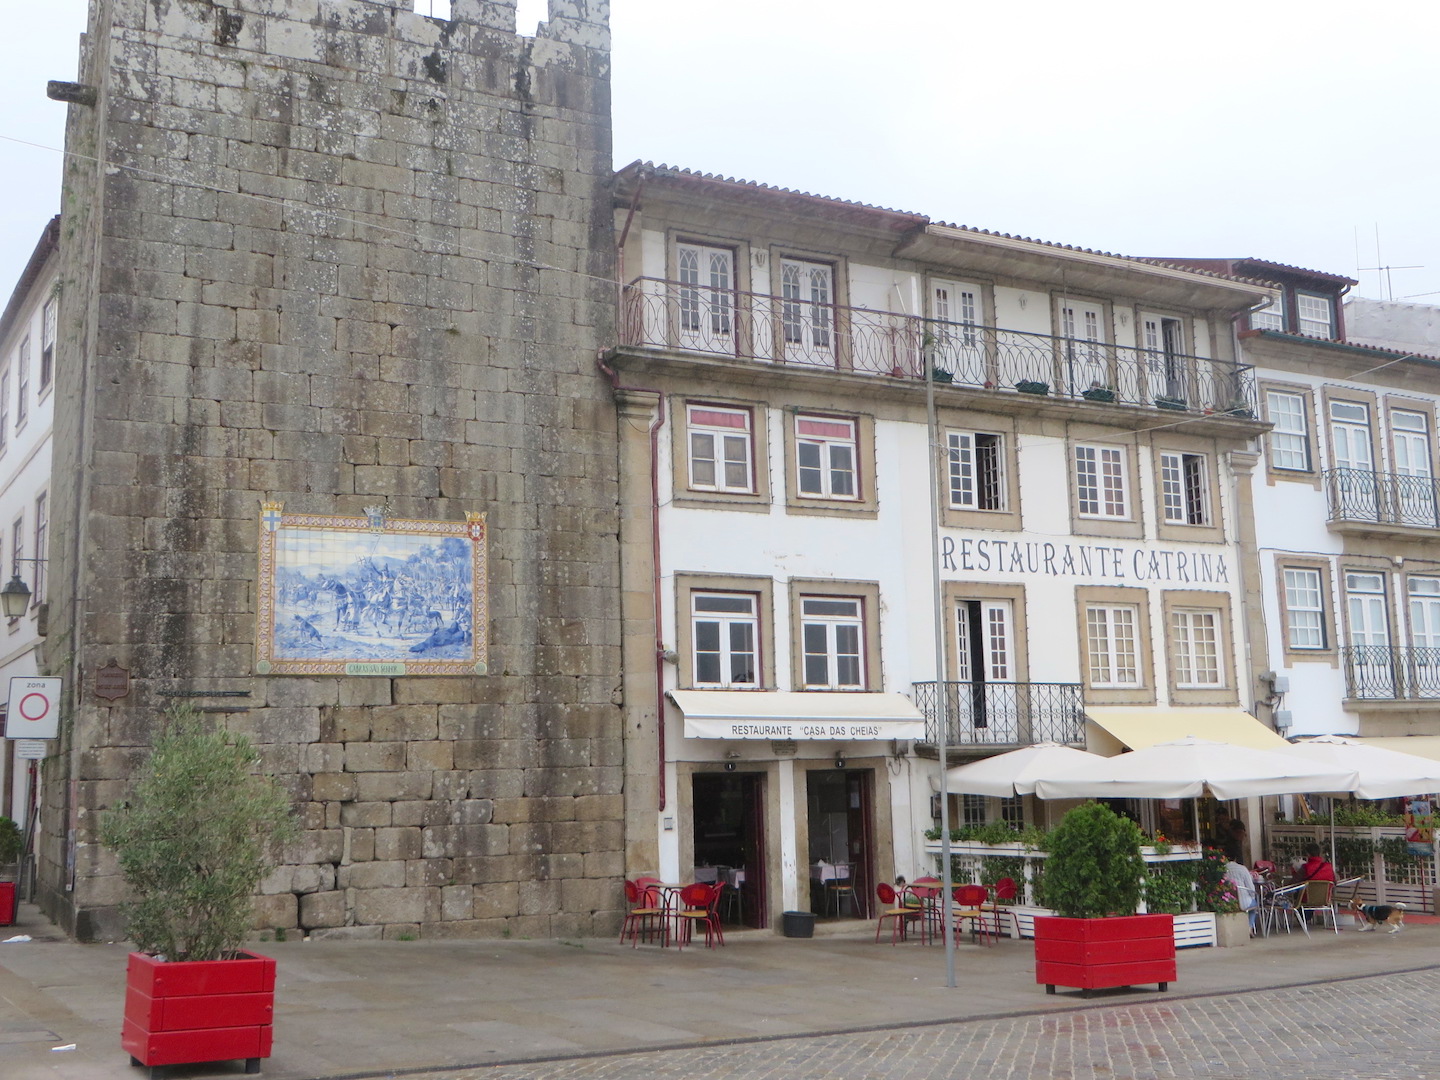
<point>15,596</point>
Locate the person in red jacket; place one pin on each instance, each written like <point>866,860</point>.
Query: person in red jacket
<point>1316,868</point>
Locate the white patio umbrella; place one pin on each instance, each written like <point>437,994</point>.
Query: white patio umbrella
<point>1188,768</point>
<point>1380,773</point>
<point>1015,773</point>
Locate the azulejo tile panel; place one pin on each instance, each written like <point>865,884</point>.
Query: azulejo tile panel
<point>370,595</point>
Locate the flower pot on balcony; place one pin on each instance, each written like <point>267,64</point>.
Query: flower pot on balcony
<point>1098,393</point>
<point>1174,403</point>
<point>940,375</point>
<point>1093,954</point>
<point>1033,386</point>
<point>198,1010</point>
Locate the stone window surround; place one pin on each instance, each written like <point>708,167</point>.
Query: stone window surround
<point>954,592</point>
<point>868,593</point>
<point>1393,403</point>
<point>1379,451</point>
<point>1306,394</point>
<point>1227,692</point>
<point>682,494</point>
<point>866,505</point>
<point>1329,654</point>
<point>762,588</point>
<point>952,517</point>
<point>1214,531</point>
<point>1130,527</point>
<point>1110,595</point>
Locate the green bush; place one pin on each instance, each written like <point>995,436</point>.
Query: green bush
<point>1094,868</point>
<point>195,839</point>
<point>1170,888</point>
<point>11,842</point>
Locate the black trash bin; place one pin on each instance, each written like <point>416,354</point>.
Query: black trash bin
<point>799,923</point>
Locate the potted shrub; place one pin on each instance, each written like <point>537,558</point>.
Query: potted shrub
<point>941,375</point>
<point>1093,880</point>
<point>1032,386</point>
<point>193,842</point>
<point>11,845</point>
<point>1175,403</point>
<point>1098,393</point>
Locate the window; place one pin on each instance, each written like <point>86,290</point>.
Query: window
<point>1304,608</point>
<point>1185,488</point>
<point>4,407</point>
<point>22,383</point>
<point>1164,343</point>
<point>436,9</point>
<point>1425,613</point>
<point>1316,315</point>
<point>956,310</point>
<point>1290,440</point>
<point>1114,661</point>
<point>831,632</point>
<point>42,528</point>
<point>1100,482</point>
<point>1413,490</point>
<point>47,344</point>
<point>725,629</point>
<point>972,809</point>
<point>1012,811</point>
<point>976,470</point>
<point>1196,638</point>
<point>706,296</point>
<point>825,456</point>
<point>720,444</point>
<point>807,315</point>
<point>1270,317</point>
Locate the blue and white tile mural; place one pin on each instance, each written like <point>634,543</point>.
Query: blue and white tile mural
<point>370,596</point>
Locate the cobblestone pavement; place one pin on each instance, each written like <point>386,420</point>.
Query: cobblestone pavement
<point>1362,1029</point>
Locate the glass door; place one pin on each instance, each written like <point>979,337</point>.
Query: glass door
<point>1413,498</point>
<point>1423,669</point>
<point>1354,461</point>
<point>1370,667</point>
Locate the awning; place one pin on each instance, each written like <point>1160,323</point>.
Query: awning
<point>1426,746</point>
<point>779,714</point>
<point>1140,726</point>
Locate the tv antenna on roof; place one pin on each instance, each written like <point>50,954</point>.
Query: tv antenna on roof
<point>1381,267</point>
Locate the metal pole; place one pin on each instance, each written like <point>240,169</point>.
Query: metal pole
<point>947,903</point>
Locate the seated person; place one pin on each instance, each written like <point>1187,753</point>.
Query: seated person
<point>1242,882</point>
<point>1316,867</point>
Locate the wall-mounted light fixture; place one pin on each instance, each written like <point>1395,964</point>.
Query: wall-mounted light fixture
<point>15,596</point>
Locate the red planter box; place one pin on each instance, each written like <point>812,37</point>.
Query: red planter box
<point>199,1010</point>
<point>1095,953</point>
<point>7,903</point>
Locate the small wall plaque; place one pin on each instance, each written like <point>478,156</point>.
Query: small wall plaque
<point>112,681</point>
<point>784,747</point>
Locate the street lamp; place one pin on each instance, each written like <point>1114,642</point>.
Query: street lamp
<point>15,596</point>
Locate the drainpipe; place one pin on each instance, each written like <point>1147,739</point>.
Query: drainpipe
<point>655,425</point>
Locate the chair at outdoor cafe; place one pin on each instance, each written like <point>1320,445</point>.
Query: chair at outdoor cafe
<point>972,903</point>
<point>646,914</point>
<point>1282,903</point>
<point>1319,896</point>
<point>900,915</point>
<point>1007,895</point>
<point>699,903</point>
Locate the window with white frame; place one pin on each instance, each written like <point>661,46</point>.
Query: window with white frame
<point>831,635</point>
<point>977,470</point>
<point>22,383</point>
<point>4,407</point>
<point>706,295</point>
<point>725,628</point>
<point>807,314</point>
<point>1270,317</point>
<point>1304,608</point>
<point>1185,489</point>
<point>1290,438</point>
<point>1316,314</point>
<point>42,529</point>
<point>1424,604</point>
<point>47,343</point>
<point>1195,635</point>
<point>825,457</point>
<point>720,449</point>
<point>1112,641</point>
<point>1100,482</point>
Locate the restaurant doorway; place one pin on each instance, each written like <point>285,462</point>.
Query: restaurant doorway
<point>728,810</point>
<point>840,805</point>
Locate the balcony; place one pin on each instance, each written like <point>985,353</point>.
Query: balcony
<point>1391,672</point>
<point>809,332</point>
<point>1365,501</point>
<point>1003,714</point>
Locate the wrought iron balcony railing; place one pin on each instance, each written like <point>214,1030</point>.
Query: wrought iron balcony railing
<point>1003,713</point>
<point>808,331</point>
<point>1391,672</point>
<point>1378,498</point>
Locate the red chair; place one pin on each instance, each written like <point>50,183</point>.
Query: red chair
<point>900,915</point>
<point>699,903</point>
<point>973,902</point>
<point>645,915</point>
<point>1007,893</point>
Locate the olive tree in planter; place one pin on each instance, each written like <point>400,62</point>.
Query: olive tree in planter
<point>193,842</point>
<point>11,845</point>
<point>1093,881</point>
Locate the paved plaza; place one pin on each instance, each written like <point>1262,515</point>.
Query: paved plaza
<point>838,1006</point>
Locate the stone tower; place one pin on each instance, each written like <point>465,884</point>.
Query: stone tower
<point>336,254</point>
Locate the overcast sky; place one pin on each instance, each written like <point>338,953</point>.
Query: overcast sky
<point>1282,130</point>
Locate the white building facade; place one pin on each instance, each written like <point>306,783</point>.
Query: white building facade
<point>1091,473</point>
<point>27,380</point>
